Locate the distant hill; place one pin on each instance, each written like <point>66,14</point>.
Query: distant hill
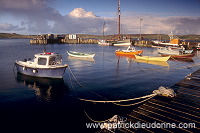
<point>145,36</point>
<point>14,35</point>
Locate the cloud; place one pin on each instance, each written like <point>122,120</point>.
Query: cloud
<point>81,13</point>
<point>23,4</point>
<point>185,25</point>
<point>9,27</point>
<point>35,16</point>
<point>81,21</point>
<point>154,23</point>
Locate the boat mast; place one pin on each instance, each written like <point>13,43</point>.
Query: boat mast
<point>103,28</point>
<point>119,15</point>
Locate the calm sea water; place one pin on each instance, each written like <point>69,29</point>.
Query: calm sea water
<point>42,104</point>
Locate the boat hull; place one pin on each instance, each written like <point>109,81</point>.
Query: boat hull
<point>160,63</point>
<point>151,58</point>
<point>168,52</point>
<point>165,45</point>
<point>104,43</point>
<point>182,56</point>
<point>122,44</point>
<point>119,52</point>
<point>80,55</point>
<point>126,42</point>
<point>56,72</point>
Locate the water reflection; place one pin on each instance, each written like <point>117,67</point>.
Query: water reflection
<point>46,89</point>
<point>129,58</point>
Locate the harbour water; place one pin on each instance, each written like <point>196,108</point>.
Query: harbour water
<point>42,104</point>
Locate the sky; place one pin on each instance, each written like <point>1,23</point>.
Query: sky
<point>88,16</point>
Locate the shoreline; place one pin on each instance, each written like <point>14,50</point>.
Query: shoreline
<point>133,36</point>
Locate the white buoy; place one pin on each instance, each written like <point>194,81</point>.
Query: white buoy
<point>24,68</point>
<point>34,70</point>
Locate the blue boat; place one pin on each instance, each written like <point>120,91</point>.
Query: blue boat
<point>46,64</point>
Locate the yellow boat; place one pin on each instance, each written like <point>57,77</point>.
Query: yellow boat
<point>152,58</point>
<point>153,62</point>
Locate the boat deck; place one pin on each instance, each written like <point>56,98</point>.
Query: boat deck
<point>184,108</point>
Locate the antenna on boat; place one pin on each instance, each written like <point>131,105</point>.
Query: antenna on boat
<point>44,48</point>
<point>172,36</point>
<point>103,29</point>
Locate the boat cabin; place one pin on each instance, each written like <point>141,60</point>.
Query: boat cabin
<point>47,59</point>
<point>129,49</point>
<point>43,60</point>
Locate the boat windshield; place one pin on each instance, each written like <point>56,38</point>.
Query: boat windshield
<point>55,60</point>
<point>42,61</point>
<point>131,48</point>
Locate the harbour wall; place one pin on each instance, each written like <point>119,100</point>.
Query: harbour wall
<point>63,41</point>
<point>188,45</point>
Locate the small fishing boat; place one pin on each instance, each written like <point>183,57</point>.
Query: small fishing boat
<point>180,56</point>
<point>170,51</point>
<point>82,55</point>
<point>104,43</point>
<point>125,42</point>
<point>176,53</point>
<point>129,51</point>
<point>174,41</point>
<point>46,64</point>
<point>152,58</point>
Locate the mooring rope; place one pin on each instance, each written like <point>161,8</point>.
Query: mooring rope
<point>70,71</point>
<point>14,67</point>
<point>162,91</point>
<point>135,103</point>
<point>82,85</point>
<point>151,95</point>
<point>70,80</point>
<point>75,77</point>
<point>94,120</point>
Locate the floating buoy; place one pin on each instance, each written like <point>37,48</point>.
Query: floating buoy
<point>35,71</point>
